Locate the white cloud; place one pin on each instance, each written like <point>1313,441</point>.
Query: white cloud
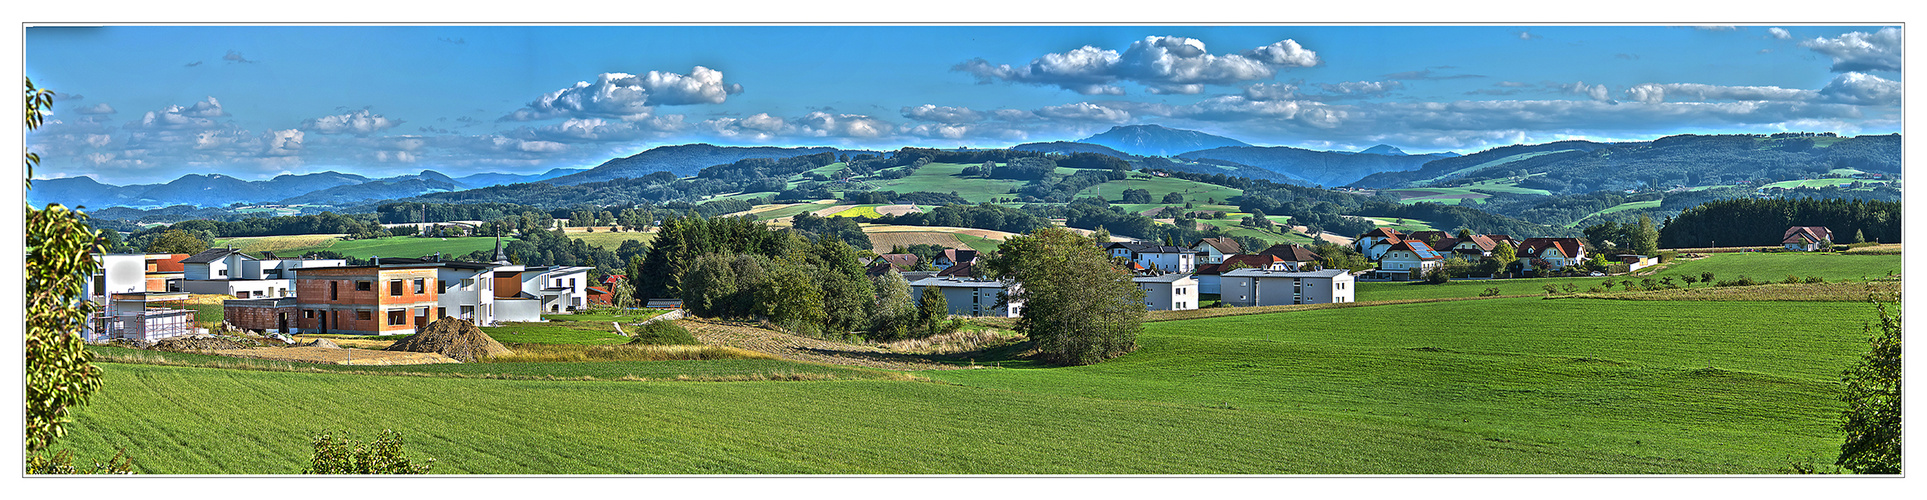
<point>1596,92</point>
<point>1270,91</point>
<point>1084,112</point>
<point>1861,51</point>
<point>1779,33</point>
<point>95,109</point>
<point>1163,64</point>
<point>1362,88</point>
<point>821,124</point>
<point>1717,27</point>
<point>283,143</point>
<point>1658,92</point>
<point>362,122</point>
<point>177,117</point>
<point>942,114</point>
<point>1862,89</point>
<point>629,97</point>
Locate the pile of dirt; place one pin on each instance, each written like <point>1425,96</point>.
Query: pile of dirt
<point>455,338</point>
<point>322,343</point>
<point>200,343</point>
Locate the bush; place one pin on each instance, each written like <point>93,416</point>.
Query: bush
<point>1816,279</point>
<point>1438,276</point>
<point>1571,288</point>
<point>345,456</point>
<point>1791,279</point>
<point>662,333</point>
<point>1550,289</point>
<point>1668,256</point>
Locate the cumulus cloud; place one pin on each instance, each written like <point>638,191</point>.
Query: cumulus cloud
<point>1596,92</point>
<point>1270,91</point>
<point>816,125</point>
<point>1779,34</point>
<point>629,97</point>
<point>283,143</point>
<point>1162,64</point>
<point>1862,89</point>
<point>1084,112</point>
<point>235,56</point>
<point>1658,92</point>
<point>576,130</point>
<point>362,122</point>
<point>96,109</point>
<point>1361,88</point>
<point>197,116</point>
<point>942,114</point>
<point>1861,51</point>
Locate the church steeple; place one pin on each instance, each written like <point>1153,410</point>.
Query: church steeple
<point>500,258</point>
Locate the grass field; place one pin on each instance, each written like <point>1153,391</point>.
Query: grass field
<point>945,178</point>
<point>606,239</point>
<point>791,210</point>
<point>980,243</point>
<point>859,211</point>
<point>1407,226</point>
<point>1577,386</point>
<point>300,242</point>
<point>1444,195</point>
<point>1232,228</point>
<point>405,246</point>
<point>1159,187</point>
<point>1497,162</point>
<point>1631,205</point>
<point>1817,183</point>
<point>1725,266</point>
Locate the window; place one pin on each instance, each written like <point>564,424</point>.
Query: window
<point>441,286</point>
<point>398,317</point>
<point>394,288</point>
<point>364,315</point>
<point>421,285</point>
<point>364,286</point>
<point>571,282</point>
<point>224,272</point>
<point>441,312</point>
<point>334,290</point>
<point>307,313</point>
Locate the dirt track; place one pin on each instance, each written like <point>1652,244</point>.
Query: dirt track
<point>795,348</point>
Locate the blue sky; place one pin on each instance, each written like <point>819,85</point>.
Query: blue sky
<point>144,104</point>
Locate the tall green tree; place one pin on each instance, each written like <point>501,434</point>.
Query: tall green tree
<point>1645,237</point>
<point>932,308</point>
<point>1079,307</point>
<point>177,241</point>
<point>59,262</point>
<point>894,313</point>
<point>1872,420</point>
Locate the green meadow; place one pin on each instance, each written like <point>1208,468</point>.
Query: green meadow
<point>403,246</point>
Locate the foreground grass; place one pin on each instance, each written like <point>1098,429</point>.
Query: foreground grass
<point>745,366</point>
<point>1683,383</point>
<point>1725,266</point>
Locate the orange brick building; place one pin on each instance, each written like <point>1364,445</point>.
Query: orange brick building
<point>360,300</point>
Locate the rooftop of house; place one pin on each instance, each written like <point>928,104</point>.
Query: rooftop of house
<point>1290,252</point>
<point>946,282</point>
<point>213,254</point>
<point>1261,273</point>
<point>1164,278</point>
<point>1224,244</point>
<point>1814,233</point>
<point>958,255</point>
<point>1135,247</point>
<point>961,269</point>
<point>1417,247</point>
<point>1534,247</point>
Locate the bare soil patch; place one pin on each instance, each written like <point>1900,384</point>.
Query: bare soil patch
<point>832,210</point>
<point>897,209</point>
<point>748,336</point>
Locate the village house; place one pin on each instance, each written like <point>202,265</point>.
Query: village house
<point>1407,260</point>
<point>1295,258</point>
<point>142,317</point>
<point>600,297</point>
<point>132,284</point>
<point>464,290</point>
<point>1260,287</point>
<point>353,300</point>
<point>556,289</point>
<point>1169,292</point>
<point>1214,250</point>
<point>225,271</point>
<point>899,262</point>
<point>1155,259</point>
<point>1552,253</point>
<point>969,297</point>
<point>1474,248</point>
<point>953,256</point>
<point>1807,238</point>
<point>1374,243</point>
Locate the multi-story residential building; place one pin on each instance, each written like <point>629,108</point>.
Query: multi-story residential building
<point>130,292</point>
<point>1260,287</point>
<point>1552,253</point>
<point>969,297</point>
<point>355,300</point>
<point>1157,259</point>
<point>1169,292</point>
<point>1407,260</point>
<point>226,271</point>
<point>1215,250</point>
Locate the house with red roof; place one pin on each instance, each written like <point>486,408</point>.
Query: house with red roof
<point>1208,274</point>
<point>1407,260</point>
<point>1552,253</point>
<point>1214,250</point>
<point>1807,238</point>
<point>1374,243</point>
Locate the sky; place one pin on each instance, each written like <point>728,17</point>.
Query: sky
<point>148,104</point>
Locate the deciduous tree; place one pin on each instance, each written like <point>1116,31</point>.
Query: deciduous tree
<point>1078,306</point>
<point>1872,420</point>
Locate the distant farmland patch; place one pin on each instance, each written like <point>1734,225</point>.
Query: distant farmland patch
<point>305,242</point>
<point>404,246</point>
<point>612,240</point>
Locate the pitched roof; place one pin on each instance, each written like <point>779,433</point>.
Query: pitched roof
<point>957,255</point>
<point>1814,233</point>
<point>1417,247</point>
<point>1136,247</point>
<point>1290,252</point>
<point>1533,247</point>
<point>1162,278</point>
<point>1381,232</point>
<point>211,255</point>
<point>596,291</point>
<point>1483,242</point>
<point>1428,235</point>
<point>1224,244</point>
<point>901,261</point>
<point>1249,261</point>
<point>961,269</point>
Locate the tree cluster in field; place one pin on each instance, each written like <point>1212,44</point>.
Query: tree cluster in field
<point>845,229</point>
<point>858,197</point>
<point>1079,306</point>
<point>1639,238</point>
<point>1753,222</point>
<point>737,268</point>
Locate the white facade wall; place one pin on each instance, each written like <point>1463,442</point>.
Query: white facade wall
<point>119,273</point>
<point>467,294</point>
<point>1169,262</point>
<point>1211,253</point>
<point>1175,295</point>
<point>240,288</point>
<point>969,298</point>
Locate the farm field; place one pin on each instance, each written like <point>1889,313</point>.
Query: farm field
<point>1497,162</point>
<point>1817,183</point>
<point>789,210</point>
<point>1232,228</point>
<point>1408,225</point>
<point>1586,386</point>
<point>1725,266</point>
<point>944,178</point>
<point>606,239</point>
<point>405,246</point>
<point>300,242</point>
<point>1444,195</point>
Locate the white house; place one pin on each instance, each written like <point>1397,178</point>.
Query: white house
<point>127,306</point>
<point>1214,250</point>
<point>1407,259</point>
<point>465,290</point>
<point>1169,292</point>
<point>559,288</point>
<point>1807,238</point>
<point>1259,287</point>
<point>1369,243</point>
<point>226,271</point>
<point>1556,253</point>
<point>1157,258</point>
<point>968,297</point>
<point>953,256</point>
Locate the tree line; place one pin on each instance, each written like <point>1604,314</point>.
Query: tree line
<point>1754,222</point>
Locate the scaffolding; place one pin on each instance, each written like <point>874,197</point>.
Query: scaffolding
<point>131,317</point>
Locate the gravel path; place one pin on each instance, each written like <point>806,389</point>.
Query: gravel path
<point>746,336</point>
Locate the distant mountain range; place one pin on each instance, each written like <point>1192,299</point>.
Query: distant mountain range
<point>1155,140</point>
<point>682,160</point>
<point>217,190</point>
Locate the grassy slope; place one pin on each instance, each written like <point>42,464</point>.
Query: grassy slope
<point>1410,225</point>
<point>1573,376</point>
<point>1725,266</point>
<point>1160,186</point>
<point>1500,161</point>
<point>944,178</point>
<point>1821,183</point>
<point>606,239</point>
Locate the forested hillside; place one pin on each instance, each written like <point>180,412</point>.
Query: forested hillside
<point>1749,222</point>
